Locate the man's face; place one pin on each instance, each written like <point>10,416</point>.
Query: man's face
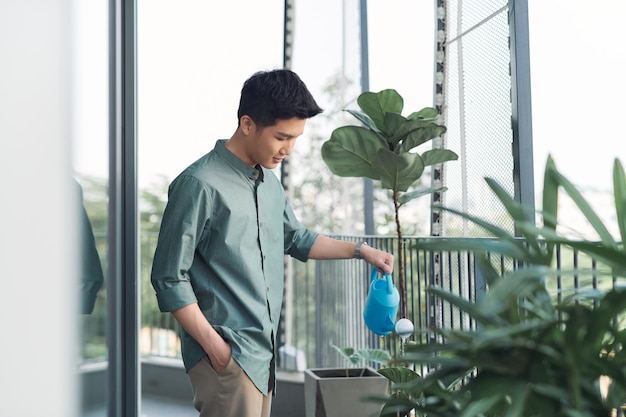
<point>268,146</point>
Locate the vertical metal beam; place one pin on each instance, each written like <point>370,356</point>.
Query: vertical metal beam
<point>288,27</point>
<point>523,171</point>
<point>368,187</point>
<point>437,177</point>
<point>122,283</point>
<point>433,303</point>
<point>285,327</point>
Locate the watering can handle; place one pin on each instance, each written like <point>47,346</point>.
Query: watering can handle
<point>387,277</point>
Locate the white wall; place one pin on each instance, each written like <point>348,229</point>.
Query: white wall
<point>37,313</point>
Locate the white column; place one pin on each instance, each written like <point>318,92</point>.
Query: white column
<point>37,311</point>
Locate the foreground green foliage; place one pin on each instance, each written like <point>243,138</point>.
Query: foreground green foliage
<point>528,355</point>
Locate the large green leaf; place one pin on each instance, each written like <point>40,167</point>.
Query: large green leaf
<point>482,406</point>
<point>550,391</point>
<point>419,132</point>
<point>513,286</point>
<point>348,353</point>
<point>509,241</point>
<point>619,191</point>
<point>584,206</point>
<point>412,195</point>
<point>375,105</point>
<point>495,230</point>
<point>393,123</point>
<point>484,265</point>
<point>399,374</point>
<point>365,119</point>
<point>550,196</point>
<point>397,172</point>
<point>517,211</point>
<point>505,247</point>
<point>375,355</point>
<point>425,113</point>
<point>550,201</point>
<point>351,151</point>
<point>508,337</point>
<point>463,304</point>
<point>438,156</point>
<point>519,397</point>
<point>510,246</point>
<point>398,405</point>
<point>613,257</point>
<point>449,363</point>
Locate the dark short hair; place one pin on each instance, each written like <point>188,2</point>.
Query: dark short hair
<point>268,96</point>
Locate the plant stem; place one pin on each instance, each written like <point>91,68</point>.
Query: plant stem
<point>400,278</point>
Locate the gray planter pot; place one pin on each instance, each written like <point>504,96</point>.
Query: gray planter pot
<point>329,393</point>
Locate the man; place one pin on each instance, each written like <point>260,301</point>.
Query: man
<point>218,265</point>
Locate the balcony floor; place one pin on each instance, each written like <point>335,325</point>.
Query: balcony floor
<point>156,407</point>
<point>152,406</point>
<point>166,391</point>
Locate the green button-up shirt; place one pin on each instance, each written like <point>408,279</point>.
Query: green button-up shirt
<point>224,233</point>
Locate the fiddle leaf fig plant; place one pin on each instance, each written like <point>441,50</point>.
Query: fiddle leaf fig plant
<point>384,149</point>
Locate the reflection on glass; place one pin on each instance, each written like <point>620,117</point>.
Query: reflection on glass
<point>91,275</point>
<point>90,143</point>
<point>92,352</point>
<point>93,222</point>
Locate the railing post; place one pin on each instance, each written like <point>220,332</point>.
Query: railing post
<point>318,313</point>
<point>480,285</point>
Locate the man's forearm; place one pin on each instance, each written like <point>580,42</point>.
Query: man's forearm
<point>193,321</point>
<point>328,248</point>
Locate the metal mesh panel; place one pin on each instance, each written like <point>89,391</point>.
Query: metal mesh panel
<point>473,94</point>
<point>477,111</point>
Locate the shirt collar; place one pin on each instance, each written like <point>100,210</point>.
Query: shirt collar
<point>253,173</point>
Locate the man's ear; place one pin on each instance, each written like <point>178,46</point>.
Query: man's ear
<point>247,124</point>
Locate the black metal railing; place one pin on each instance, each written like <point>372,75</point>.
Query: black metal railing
<point>324,300</point>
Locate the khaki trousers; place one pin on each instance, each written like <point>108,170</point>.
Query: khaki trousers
<point>227,394</point>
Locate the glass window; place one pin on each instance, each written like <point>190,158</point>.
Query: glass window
<point>192,59</point>
<point>90,160</point>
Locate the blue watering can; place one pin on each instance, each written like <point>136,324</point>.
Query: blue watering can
<point>381,305</point>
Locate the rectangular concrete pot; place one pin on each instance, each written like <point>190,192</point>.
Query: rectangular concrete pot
<point>329,393</point>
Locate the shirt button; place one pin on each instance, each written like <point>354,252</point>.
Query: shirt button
<point>260,225</point>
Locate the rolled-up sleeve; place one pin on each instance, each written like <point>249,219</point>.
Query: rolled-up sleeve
<point>298,239</point>
<point>184,220</point>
